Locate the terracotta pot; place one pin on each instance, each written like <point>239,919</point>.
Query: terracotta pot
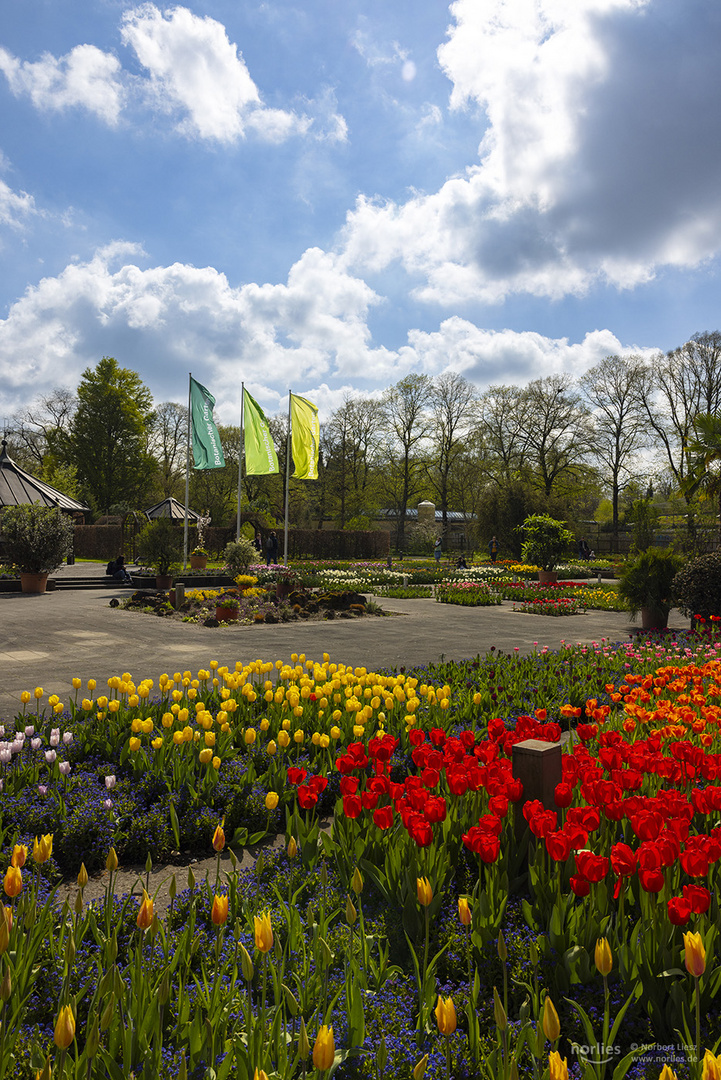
<point>33,583</point>
<point>653,619</point>
<point>226,614</point>
<point>163,581</point>
<point>547,577</point>
<point>198,562</point>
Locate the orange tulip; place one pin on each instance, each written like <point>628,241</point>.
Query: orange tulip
<point>13,882</point>
<point>219,837</point>
<point>19,855</point>
<point>145,915</point>
<point>695,954</point>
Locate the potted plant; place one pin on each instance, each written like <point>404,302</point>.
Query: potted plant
<point>646,586</point>
<point>245,582</point>
<point>226,607</point>
<point>198,558</point>
<point>36,539</point>
<point>545,542</point>
<point>286,580</point>
<point>160,546</point>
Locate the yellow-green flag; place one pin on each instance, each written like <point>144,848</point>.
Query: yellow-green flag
<point>305,434</point>
<point>260,455</point>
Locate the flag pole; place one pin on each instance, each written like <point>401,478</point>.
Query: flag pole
<point>240,460</point>
<point>287,486</point>
<point>187,480</point>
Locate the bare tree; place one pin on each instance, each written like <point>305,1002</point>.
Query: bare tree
<point>613,390</point>
<point>557,430</point>
<point>405,411</point>
<point>502,427</point>
<point>168,441</point>
<point>679,386</point>
<point>451,400</point>
<point>350,448</point>
<point>43,428</point>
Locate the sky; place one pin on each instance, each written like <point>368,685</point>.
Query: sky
<point>328,196</point>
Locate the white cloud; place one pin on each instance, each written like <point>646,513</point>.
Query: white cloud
<point>488,357</point>
<point>168,319</point>
<point>85,78</point>
<point>599,154</point>
<point>310,332</point>
<point>15,207</point>
<point>196,70</point>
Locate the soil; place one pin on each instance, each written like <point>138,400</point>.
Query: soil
<point>299,605</point>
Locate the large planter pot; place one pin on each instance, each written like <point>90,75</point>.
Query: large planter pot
<point>653,619</point>
<point>226,614</point>
<point>163,581</point>
<point>33,583</point>
<point>198,562</point>
<point>283,589</point>
<point>548,577</point>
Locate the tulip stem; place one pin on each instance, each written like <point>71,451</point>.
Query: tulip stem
<point>698,1027</point>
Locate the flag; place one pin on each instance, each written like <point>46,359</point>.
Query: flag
<point>207,451</point>
<point>260,456</point>
<point>305,431</point>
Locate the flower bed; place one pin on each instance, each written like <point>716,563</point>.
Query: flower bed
<point>561,605</point>
<point>423,923</point>
<point>467,594</point>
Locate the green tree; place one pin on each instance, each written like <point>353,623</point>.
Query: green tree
<point>704,454</point>
<point>108,440</point>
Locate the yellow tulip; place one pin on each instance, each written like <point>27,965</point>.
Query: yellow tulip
<point>249,736</point>
<point>292,849</point>
<point>64,1028</point>
<point>82,876</point>
<point>19,855</point>
<point>424,891</point>
<point>43,848</point>
<point>13,881</point>
<point>419,1070</point>
<point>271,800</point>
<point>205,755</point>
<point>145,914</point>
<point>219,914</point>
<point>711,1068</point>
<point>111,863</point>
<point>557,1066</point>
<point>260,1074</point>
<point>464,911</point>
<point>263,932</point>
<point>357,882</point>
<point>550,1023</point>
<point>324,1049</point>
<point>219,837</point>
<point>445,1015</point>
<point>695,954</point>
<point>603,957</point>
<point>667,1073</point>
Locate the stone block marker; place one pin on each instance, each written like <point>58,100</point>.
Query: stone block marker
<point>537,765</point>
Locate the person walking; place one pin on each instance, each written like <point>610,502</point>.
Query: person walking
<point>493,549</point>
<point>437,550</point>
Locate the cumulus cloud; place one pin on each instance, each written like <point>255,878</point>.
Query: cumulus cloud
<point>84,78</point>
<point>195,69</point>
<point>598,156</point>
<point>488,357</point>
<point>168,319</point>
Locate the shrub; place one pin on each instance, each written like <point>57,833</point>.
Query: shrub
<point>36,538</point>
<point>238,555</point>
<point>697,587</point>
<point>160,545</point>
<point>545,540</point>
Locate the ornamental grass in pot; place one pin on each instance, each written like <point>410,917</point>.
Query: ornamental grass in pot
<point>646,586</point>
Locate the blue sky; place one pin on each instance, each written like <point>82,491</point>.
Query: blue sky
<point>328,196</point>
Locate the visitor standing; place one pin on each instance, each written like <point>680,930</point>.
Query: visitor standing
<point>493,549</point>
<point>437,550</point>
<point>271,549</point>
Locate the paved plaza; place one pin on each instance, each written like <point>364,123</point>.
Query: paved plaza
<point>47,640</point>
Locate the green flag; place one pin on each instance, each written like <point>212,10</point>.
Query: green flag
<point>260,456</point>
<point>305,432</point>
<point>207,451</point>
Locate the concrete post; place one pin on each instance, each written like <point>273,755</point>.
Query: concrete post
<point>179,595</point>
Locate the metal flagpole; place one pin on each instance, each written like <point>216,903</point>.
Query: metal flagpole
<point>240,459</point>
<point>287,486</point>
<point>187,480</point>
